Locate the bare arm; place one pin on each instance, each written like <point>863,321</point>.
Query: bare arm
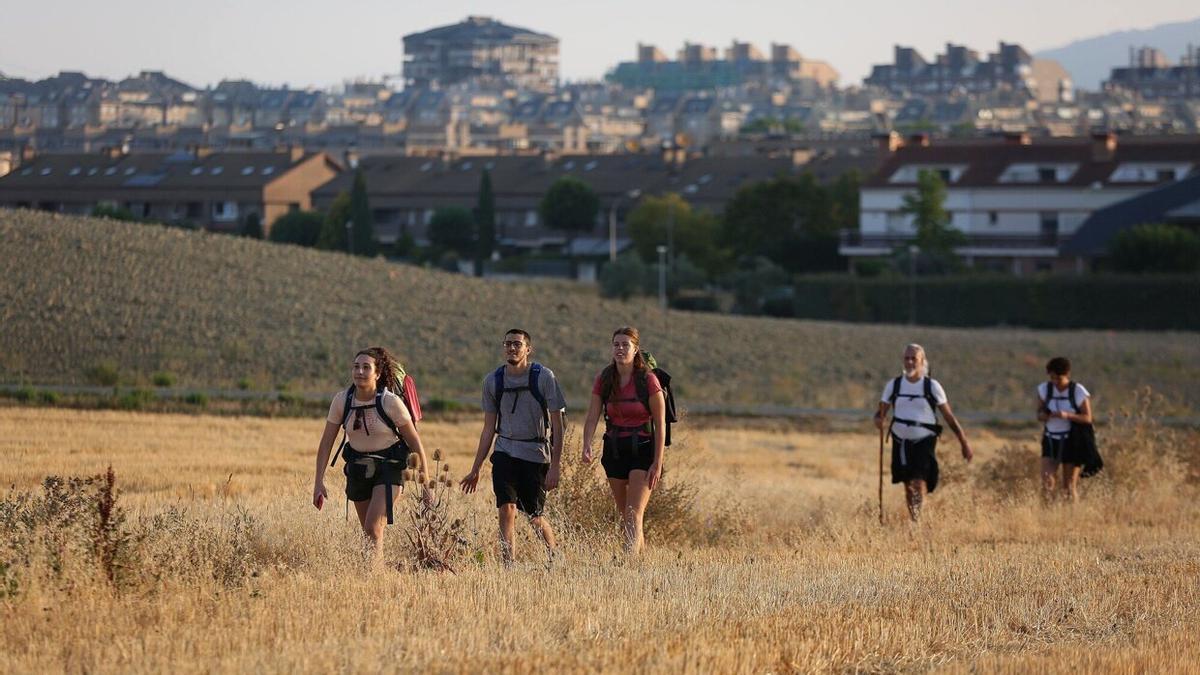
<point>486,436</point>
<point>1084,416</point>
<point>323,450</point>
<point>658,414</point>
<point>589,426</point>
<point>409,433</point>
<point>556,446</point>
<point>952,422</point>
<point>881,414</point>
<point>1043,413</point>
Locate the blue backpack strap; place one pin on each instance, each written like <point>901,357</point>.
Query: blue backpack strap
<point>498,393</point>
<point>535,388</point>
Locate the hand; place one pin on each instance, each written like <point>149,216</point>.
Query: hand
<point>319,494</point>
<point>1063,414</point>
<point>552,476</point>
<point>879,422</point>
<point>653,474</point>
<point>587,455</point>
<point>469,482</point>
<point>967,453</point>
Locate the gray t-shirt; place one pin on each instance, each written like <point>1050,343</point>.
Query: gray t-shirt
<point>525,420</point>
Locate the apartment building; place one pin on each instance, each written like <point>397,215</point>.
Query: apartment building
<point>963,71</point>
<point>483,50</point>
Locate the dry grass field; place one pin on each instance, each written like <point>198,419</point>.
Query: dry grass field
<point>219,311</point>
<point>773,560</point>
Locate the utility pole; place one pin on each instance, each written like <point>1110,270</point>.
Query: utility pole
<point>350,237</point>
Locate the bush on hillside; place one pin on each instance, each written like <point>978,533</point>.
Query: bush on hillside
<point>1157,249</point>
<point>298,227</point>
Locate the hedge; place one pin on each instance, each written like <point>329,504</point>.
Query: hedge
<point>1102,302</point>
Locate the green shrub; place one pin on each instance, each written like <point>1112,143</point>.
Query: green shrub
<point>135,399</point>
<point>24,394</point>
<point>48,397</point>
<point>298,227</point>
<point>1155,248</point>
<point>437,405</point>
<point>245,383</point>
<point>104,374</point>
<point>625,277</point>
<point>163,379</point>
<point>197,399</point>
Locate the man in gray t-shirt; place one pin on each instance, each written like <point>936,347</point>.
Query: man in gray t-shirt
<point>523,413</point>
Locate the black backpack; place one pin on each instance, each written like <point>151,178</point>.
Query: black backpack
<point>534,387</point>
<point>643,395</point>
<point>377,463</point>
<point>926,393</point>
<point>1081,436</point>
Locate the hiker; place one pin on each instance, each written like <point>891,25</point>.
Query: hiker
<point>380,434</point>
<point>1065,408</point>
<point>630,397</point>
<point>915,399</point>
<point>523,413</point>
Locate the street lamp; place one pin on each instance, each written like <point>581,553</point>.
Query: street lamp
<point>662,276</point>
<point>612,223</point>
<point>913,252</point>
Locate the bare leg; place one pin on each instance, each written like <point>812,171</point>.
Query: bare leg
<point>1071,481</point>
<point>373,516</point>
<point>508,521</point>
<point>620,490</point>
<point>541,527</point>
<point>1049,469</point>
<point>637,497</point>
<point>914,493</point>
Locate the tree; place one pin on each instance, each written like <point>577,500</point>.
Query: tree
<point>360,214</point>
<point>927,206</point>
<point>252,226</point>
<point>333,230</point>
<point>485,222</point>
<point>570,205</point>
<point>793,222</point>
<point>1153,248</point>
<point>298,227</point>
<point>625,277</point>
<point>452,229</point>
<point>695,232</point>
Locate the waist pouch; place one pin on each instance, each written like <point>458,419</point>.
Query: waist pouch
<point>388,463</point>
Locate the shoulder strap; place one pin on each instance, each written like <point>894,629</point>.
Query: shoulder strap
<point>929,395</point>
<point>895,392</point>
<point>1071,388</point>
<point>349,401</point>
<point>535,388</point>
<point>641,384</point>
<point>387,419</point>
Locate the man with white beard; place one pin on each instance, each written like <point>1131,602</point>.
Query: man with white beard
<point>915,399</point>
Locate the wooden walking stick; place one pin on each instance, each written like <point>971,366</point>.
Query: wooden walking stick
<point>881,432</point>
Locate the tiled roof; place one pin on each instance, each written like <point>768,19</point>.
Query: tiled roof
<point>479,29</point>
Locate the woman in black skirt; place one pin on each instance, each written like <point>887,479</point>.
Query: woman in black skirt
<point>1065,408</point>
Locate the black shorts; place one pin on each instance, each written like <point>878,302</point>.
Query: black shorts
<point>915,460</point>
<point>626,453</point>
<point>359,488</point>
<point>520,482</point>
<point>1063,450</point>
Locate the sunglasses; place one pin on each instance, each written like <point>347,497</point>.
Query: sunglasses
<point>360,421</point>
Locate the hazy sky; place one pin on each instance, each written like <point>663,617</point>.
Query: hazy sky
<point>308,42</point>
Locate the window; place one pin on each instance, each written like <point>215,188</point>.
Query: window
<point>993,218</point>
<point>75,171</point>
<point>196,171</point>
<point>1046,175</point>
<point>268,170</point>
<point>216,170</point>
<point>225,211</point>
<point>93,171</point>
<point>247,170</point>
<point>944,174</point>
<point>110,171</point>
<point>1166,175</point>
<point>1049,226</point>
<point>130,171</point>
<point>47,171</point>
<point>531,218</point>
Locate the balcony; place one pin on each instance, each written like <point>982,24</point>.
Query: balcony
<point>854,243</point>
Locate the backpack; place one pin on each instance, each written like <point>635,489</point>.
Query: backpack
<point>407,394</point>
<point>534,387</point>
<point>926,393</point>
<point>643,396</point>
<point>1081,436</point>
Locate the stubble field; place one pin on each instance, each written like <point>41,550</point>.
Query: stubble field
<point>773,561</point>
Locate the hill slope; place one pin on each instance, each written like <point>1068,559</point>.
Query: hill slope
<point>1090,61</point>
<point>214,309</point>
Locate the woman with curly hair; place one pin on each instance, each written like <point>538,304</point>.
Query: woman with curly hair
<point>378,414</point>
<point>630,397</point>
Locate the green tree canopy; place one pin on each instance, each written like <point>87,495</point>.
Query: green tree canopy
<point>570,205</point>
<point>793,222</point>
<point>485,222</point>
<point>1157,247</point>
<point>298,227</point>
<point>333,230</point>
<point>452,229</point>
<point>695,232</point>
<point>360,215</point>
<point>935,236</point>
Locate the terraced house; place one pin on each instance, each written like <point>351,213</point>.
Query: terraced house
<point>217,191</point>
<point>1017,201</point>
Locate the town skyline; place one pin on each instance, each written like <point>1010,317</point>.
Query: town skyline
<point>221,47</point>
